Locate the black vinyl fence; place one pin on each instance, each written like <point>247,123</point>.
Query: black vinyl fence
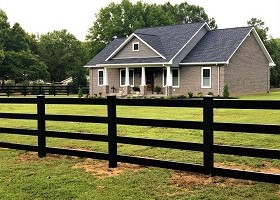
<point>207,125</point>
<point>41,89</point>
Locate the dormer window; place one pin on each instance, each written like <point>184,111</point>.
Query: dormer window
<point>135,46</point>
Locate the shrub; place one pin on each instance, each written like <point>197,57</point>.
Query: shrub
<point>24,89</point>
<point>136,89</point>
<point>80,93</point>
<point>9,90</point>
<point>190,94</point>
<point>157,89</point>
<point>210,93</point>
<point>200,94</point>
<point>226,91</point>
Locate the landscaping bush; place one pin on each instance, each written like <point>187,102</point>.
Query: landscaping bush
<point>80,93</point>
<point>226,92</point>
<point>200,94</point>
<point>190,94</point>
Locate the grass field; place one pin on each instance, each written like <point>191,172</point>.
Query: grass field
<point>24,176</point>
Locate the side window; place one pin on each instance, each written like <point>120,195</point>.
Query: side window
<point>100,77</point>
<point>206,77</point>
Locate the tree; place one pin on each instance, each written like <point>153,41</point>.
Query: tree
<point>62,53</point>
<point>261,29</point>
<point>273,47</point>
<point>124,18</point>
<point>4,29</point>
<point>18,60</point>
<point>186,13</point>
<point>23,66</point>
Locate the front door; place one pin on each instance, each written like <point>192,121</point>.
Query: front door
<point>150,81</point>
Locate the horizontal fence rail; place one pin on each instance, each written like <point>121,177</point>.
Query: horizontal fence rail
<point>41,89</point>
<point>208,126</point>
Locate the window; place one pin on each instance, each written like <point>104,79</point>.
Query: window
<point>135,46</point>
<point>131,77</point>
<point>174,75</point>
<point>206,77</point>
<point>100,77</point>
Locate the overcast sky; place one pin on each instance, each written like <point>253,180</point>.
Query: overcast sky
<point>77,16</point>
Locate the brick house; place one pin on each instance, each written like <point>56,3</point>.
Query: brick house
<point>183,58</point>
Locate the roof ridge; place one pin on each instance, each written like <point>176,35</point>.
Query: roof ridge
<point>169,25</point>
<point>231,28</point>
<point>147,34</point>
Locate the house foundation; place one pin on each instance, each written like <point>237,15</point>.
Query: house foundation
<point>143,90</point>
<point>168,90</point>
<point>126,90</point>
<point>105,90</point>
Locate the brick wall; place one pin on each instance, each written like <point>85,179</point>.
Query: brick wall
<point>248,69</point>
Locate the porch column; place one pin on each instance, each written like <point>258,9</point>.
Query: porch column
<point>105,82</point>
<point>126,88</point>
<point>168,87</point>
<point>143,86</point>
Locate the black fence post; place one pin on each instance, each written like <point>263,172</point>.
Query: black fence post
<point>24,90</point>
<point>41,126</point>
<point>54,91</point>
<point>67,90</point>
<point>112,131</point>
<point>8,90</point>
<point>208,139</point>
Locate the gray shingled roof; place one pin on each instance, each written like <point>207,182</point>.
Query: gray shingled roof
<point>173,38</point>
<point>167,40</point>
<point>217,45</point>
<point>106,52</point>
<point>154,41</point>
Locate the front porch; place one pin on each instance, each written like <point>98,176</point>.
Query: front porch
<point>141,80</point>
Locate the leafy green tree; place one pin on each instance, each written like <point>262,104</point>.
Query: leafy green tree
<point>18,39</point>
<point>124,18</point>
<point>62,53</point>
<point>23,66</point>
<point>186,13</point>
<point>4,29</point>
<point>273,47</point>
<point>261,29</point>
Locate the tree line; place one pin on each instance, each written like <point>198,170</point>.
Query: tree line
<point>58,55</point>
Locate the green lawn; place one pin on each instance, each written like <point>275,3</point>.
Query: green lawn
<point>24,176</point>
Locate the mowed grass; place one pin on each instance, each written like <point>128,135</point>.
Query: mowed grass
<point>24,176</point>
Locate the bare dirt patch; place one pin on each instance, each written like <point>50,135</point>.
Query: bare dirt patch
<point>189,180</point>
<point>33,156</point>
<point>100,168</point>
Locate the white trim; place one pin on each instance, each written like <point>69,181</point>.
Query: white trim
<point>128,40</point>
<point>259,41</point>
<point>205,63</point>
<point>133,46</point>
<point>98,77</point>
<point>124,77</point>
<point>210,81</point>
<point>207,27</point>
<point>268,57</point>
<point>134,57</point>
<point>171,77</point>
<point>131,64</point>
